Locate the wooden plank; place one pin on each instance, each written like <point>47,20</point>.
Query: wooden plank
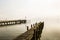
<point>32,34</point>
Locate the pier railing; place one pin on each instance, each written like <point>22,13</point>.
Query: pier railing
<point>32,34</point>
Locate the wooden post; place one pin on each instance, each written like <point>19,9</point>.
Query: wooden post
<point>31,25</point>
<point>27,28</point>
<point>34,35</point>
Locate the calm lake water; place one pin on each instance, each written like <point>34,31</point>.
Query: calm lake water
<point>51,30</point>
<point>12,31</point>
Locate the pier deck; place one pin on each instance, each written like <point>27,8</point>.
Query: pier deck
<point>32,34</point>
<point>11,22</point>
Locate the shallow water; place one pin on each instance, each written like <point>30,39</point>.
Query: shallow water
<point>10,32</point>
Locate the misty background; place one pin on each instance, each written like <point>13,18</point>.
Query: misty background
<point>44,10</point>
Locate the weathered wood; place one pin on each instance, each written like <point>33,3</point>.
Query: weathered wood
<point>33,34</point>
<point>26,35</point>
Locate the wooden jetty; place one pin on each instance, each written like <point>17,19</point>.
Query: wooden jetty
<point>32,34</point>
<point>11,22</point>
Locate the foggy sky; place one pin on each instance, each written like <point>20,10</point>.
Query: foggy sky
<point>29,8</point>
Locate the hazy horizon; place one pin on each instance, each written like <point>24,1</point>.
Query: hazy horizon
<point>16,9</point>
<point>43,10</point>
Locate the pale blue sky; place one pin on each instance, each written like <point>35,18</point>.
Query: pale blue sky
<point>30,8</point>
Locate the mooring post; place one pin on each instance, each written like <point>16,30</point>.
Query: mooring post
<point>31,25</point>
<point>40,29</point>
<point>34,35</point>
<point>37,33</point>
<point>27,28</point>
